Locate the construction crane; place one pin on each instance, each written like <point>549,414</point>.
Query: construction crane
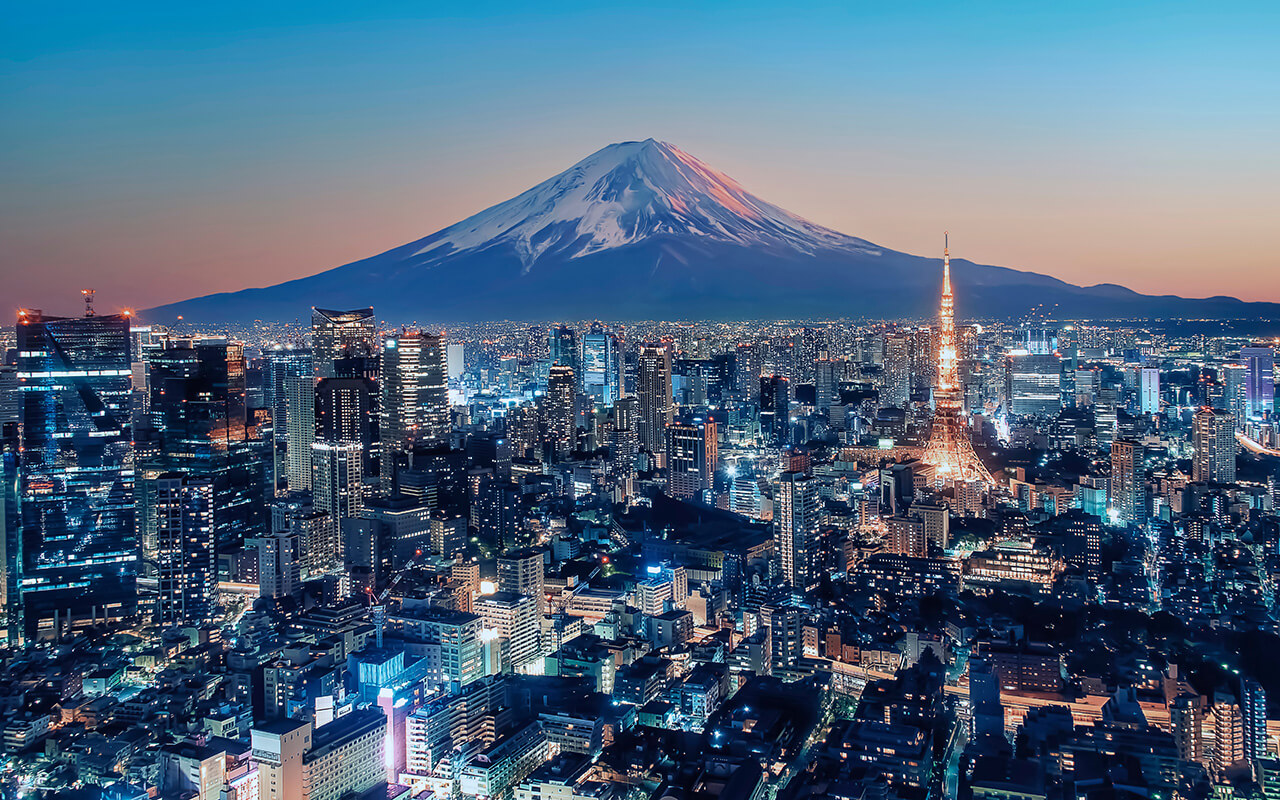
<point>564,609</point>
<point>378,605</point>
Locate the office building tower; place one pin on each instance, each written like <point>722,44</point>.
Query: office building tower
<point>896,386</point>
<point>562,425</point>
<point>563,348</point>
<point>521,572</point>
<point>950,450</point>
<point>300,400</point>
<point>691,457</point>
<point>515,619</point>
<point>279,563</point>
<point>1235,392</point>
<point>653,390</point>
<point>198,424</point>
<point>1128,483</point>
<point>748,364</point>
<point>795,521</point>
<point>336,490</point>
<point>415,397</point>
<point>185,556</point>
<point>340,335</point>
<point>1260,388</point>
<point>79,544</point>
<point>599,374</point>
<point>1149,391</point>
<point>826,383</point>
<point>775,409</point>
<point>344,413</point>
<point>1033,384</point>
<point>1213,438</point>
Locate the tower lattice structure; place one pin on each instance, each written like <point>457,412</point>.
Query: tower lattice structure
<point>950,450</point>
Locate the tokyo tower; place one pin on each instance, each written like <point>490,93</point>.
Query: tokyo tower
<point>950,450</point>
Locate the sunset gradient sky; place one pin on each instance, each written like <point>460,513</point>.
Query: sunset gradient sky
<point>163,151</point>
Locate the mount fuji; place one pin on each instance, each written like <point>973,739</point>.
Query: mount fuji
<point>643,230</point>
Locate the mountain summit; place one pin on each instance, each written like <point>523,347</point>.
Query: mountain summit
<point>627,193</point>
<point>643,230</point>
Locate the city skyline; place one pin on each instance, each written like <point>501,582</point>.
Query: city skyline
<point>166,153</point>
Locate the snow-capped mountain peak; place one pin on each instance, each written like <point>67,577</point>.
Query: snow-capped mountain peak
<point>628,192</point>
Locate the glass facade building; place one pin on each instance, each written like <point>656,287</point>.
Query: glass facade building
<point>79,547</point>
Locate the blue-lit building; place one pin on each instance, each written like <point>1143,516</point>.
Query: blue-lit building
<point>600,367</point>
<point>79,549</point>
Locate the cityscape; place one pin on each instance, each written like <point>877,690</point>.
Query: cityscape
<point>635,485</point>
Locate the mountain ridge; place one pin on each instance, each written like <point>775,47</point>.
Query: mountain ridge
<point>643,230</point>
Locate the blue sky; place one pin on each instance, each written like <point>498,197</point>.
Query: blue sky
<point>163,151</point>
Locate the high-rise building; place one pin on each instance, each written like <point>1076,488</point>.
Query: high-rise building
<point>79,544</point>
<point>336,491</point>
<point>795,521</point>
<point>339,335</point>
<point>344,412</point>
<point>559,411</point>
<point>300,401</point>
<point>1214,439</point>
<point>1149,391</point>
<point>896,386</point>
<point>1128,482</point>
<point>415,395</point>
<point>950,450</point>
<point>521,572</point>
<point>185,556</point>
<point>1034,383</point>
<point>692,449</point>
<point>826,383</point>
<point>1235,391</point>
<point>775,409</point>
<point>653,389</point>
<point>563,347</point>
<point>600,367</point>
<point>279,564</point>
<point>1260,388</point>
<point>515,618</point>
<point>748,363</point>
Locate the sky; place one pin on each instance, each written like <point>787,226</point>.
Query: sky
<point>160,151</point>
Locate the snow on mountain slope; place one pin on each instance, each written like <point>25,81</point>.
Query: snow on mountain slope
<point>628,192</point>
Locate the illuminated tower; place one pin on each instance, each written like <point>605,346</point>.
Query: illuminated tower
<point>950,451</point>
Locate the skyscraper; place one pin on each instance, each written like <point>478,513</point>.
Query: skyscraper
<point>826,383</point>
<point>79,546</point>
<point>896,389</point>
<point>1213,437</point>
<point>341,334</point>
<point>1128,489</point>
<point>691,457</point>
<point>186,570</point>
<point>300,405</point>
<point>600,366</point>
<point>563,347</point>
<point>1260,387</point>
<point>950,450</point>
<point>336,491</point>
<point>1149,391</point>
<point>653,389</point>
<point>775,409</point>
<point>795,520</point>
<point>415,395</point>
<point>561,425</point>
<point>1034,383</point>
<point>344,412</point>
